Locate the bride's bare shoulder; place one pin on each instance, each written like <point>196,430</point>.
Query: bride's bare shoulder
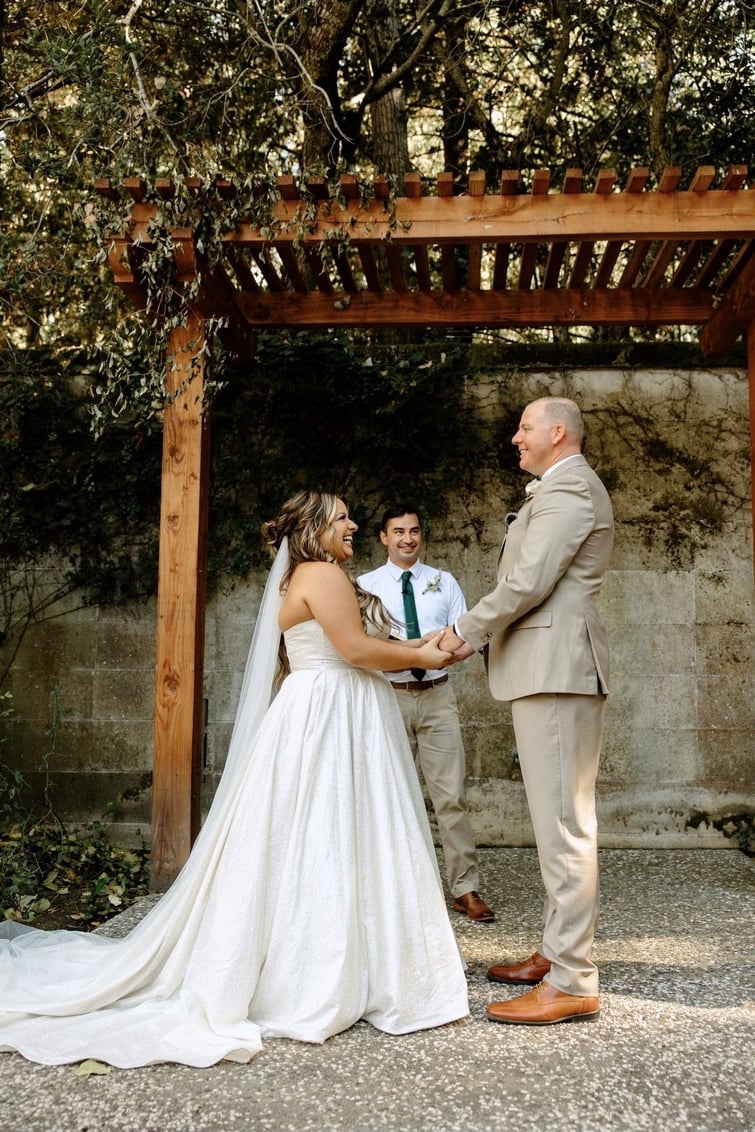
<point>317,569</point>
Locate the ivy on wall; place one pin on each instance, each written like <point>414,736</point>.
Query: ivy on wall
<point>320,411</point>
<point>92,506</point>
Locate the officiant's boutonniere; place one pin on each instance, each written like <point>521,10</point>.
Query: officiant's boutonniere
<point>533,486</point>
<point>433,587</point>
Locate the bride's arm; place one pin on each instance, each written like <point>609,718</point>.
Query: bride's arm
<point>322,590</point>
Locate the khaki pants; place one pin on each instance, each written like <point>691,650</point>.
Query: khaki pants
<point>431,718</point>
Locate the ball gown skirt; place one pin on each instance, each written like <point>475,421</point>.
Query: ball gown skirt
<point>311,900</point>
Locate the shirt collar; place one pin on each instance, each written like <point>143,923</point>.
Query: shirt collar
<point>396,571</point>
<point>560,463</point>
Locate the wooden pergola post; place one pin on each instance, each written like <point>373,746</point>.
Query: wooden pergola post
<point>180,608</point>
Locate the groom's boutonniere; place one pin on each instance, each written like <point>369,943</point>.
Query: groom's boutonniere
<point>433,587</point>
<point>533,486</point>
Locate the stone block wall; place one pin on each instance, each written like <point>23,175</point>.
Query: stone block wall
<point>677,767</point>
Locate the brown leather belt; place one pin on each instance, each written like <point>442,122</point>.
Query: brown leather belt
<point>419,685</point>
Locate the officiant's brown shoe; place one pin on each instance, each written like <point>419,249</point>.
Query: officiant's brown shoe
<point>472,905</point>
<point>531,971</point>
<point>544,1006</point>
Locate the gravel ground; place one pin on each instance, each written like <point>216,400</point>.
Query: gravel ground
<point>673,1049</point>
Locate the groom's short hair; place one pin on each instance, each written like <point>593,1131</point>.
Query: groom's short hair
<point>397,511</point>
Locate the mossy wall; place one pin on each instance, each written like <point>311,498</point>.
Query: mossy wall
<point>677,770</point>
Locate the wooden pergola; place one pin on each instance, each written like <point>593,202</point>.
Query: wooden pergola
<point>605,256</point>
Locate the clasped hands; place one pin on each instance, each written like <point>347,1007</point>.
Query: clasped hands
<point>451,643</point>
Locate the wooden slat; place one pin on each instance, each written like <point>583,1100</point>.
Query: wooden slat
<point>349,186</point>
<point>581,263</point>
<point>395,266</point>
<point>657,269</point>
<point>722,251</point>
<point>527,266</point>
<point>735,178</point>
<point>165,188</point>
<point>604,184</point>
<point>474,249</point>
<point>509,188</point>
<point>733,181</point>
<point>103,186</point>
<point>369,266</point>
<point>413,186</point>
<point>448,267</point>
<point>474,266</point>
<point>484,308</point>
<point>670,179</point>
<point>696,249</point>
<point>510,182</point>
<point>445,184</point>
<point>717,253</point>
<point>735,313</point>
<point>225,189</point>
<point>737,265</point>
<point>287,188</point>
<point>636,182</point>
<point>288,258</point>
<point>241,269</point>
<point>317,187</point>
<point>269,274</point>
<point>381,187</point>
<point>572,184</point>
<point>477,184</point>
<point>501,266</point>
<point>424,281</point>
<point>136,188</point>
<point>633,266</point>
<point>317,267</point>
<point>541,180</point>
<point>345,273</point>
<point>717,256</point>
<point>702,179</point>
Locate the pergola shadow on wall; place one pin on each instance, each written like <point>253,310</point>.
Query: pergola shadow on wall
<point>511,258</point>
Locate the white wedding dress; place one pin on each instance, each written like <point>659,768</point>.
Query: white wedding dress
<point>311,900</point>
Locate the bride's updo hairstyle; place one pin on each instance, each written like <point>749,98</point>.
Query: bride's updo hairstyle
<point>302,520</point>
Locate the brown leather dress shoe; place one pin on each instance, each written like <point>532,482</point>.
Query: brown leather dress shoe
<point>544,1006</point>
<point>472,905</point>
<point>531,971</point>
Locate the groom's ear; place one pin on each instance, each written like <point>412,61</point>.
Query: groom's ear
<point>383,538</point>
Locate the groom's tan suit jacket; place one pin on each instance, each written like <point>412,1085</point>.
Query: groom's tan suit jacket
<point>541,623</point>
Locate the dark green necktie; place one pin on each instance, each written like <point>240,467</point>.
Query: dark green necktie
<point>410,615</point>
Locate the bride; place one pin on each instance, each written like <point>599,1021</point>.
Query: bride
<point>312,897</point>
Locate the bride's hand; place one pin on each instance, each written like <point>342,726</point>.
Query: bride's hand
<point>429,655</point>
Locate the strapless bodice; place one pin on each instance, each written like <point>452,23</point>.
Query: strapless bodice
<point>308,647</point>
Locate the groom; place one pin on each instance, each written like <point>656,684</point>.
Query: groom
<point>547,653</point>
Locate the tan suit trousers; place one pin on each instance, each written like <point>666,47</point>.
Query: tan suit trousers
<point>558,739</point>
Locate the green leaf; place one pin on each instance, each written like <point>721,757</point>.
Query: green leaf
<point>91,1068</point>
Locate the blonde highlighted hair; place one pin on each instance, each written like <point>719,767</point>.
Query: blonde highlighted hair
<point>302,520</point>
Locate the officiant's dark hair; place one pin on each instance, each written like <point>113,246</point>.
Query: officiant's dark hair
<point>396,511</point>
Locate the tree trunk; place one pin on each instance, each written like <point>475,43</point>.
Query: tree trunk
<point>323,39</point>
<point>390,145</point>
